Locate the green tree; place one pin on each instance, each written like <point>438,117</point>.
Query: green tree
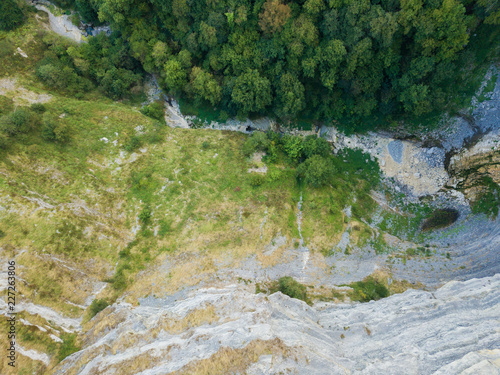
<point>251,92</point>
<point>175,75</point>
<point>316,146</point>
<point>204,86</point>
<point>316,171</point>
<point>290,96</point>
<point>11,15</point>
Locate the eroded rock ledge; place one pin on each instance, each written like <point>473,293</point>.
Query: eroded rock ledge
<point>450,331</point>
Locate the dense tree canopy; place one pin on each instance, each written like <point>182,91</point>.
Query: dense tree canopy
<point>315,59</point>
<point>11,14</point>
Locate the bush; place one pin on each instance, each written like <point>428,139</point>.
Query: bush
<point>16,122</point>
<point>38,108</point>
<point>132,144</point>
<point>97,306</point>
<point>316,171</point>
<point>11,15</point>
<point>4,140</point>
<point>54,131</point>
<point>154,110</point>
<point>145,215</point>
<point>287,285</point>
<point>368,290</point>
<point>257,179</point>
<point>293,147</point>
<point>316,146</point>
<point>258,141</point>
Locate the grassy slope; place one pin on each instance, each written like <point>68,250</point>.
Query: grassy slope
<point>75,208</point>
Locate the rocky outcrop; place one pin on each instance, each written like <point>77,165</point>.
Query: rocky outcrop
<point>453,330</point>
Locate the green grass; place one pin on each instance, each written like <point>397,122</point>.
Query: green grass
<point>490,86</point>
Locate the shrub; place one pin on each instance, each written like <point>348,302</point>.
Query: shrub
<point>368,289</point>
<point>293,147</point>
<point>154,110</point>
<point>316,146</point>
<point>54,131</point>
<point>258,141</point>
<point>145,215</point>
<point>257,179</point>
<point>97,306</point>
<point>132,144</point>
<point>316,171</point>
<point>16,122</point>
<point>287,285</point>
<point>11,15</point>
<point>38,108</point>
<point>4,140</point>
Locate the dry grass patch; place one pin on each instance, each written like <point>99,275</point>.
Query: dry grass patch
<point>236,361</point>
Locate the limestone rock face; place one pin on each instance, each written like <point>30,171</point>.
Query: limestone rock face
<point>470,166</point>
<point>454,330</point>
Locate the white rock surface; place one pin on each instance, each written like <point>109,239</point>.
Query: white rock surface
<point>454,330</point>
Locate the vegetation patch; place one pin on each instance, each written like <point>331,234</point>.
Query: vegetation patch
<point>488,201</point>
<point>286,285</point>
<point>367,290</point>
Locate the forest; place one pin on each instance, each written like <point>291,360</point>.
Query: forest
<point>320,60</point>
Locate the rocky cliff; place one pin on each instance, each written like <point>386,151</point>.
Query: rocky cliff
<point>452,330</point>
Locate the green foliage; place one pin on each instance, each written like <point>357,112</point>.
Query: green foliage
<point>154,110</point>
<point>38,108</point>
<point>292,288</point>
<point>11,15</point>
<point>68,346</point>
<point>54,130</point>
<point>251,92</point>
<point>316,146</point>
<point>256,179</point>
<point>293,147</point>
<point>489,201</point>
<point>368,290</point>
<point>132,144</point>
<point>105,62</point>
<point>145,215</point>
<point>313,59</point>
<point>258,141</point>
<point>316,171</point>
<point>16,122</point>
<point>97,306</point>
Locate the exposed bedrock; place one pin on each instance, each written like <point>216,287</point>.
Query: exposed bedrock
<point>450,331</point>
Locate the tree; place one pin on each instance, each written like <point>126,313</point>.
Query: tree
<point>330,55</point>
<point>293,147</point>
<point>492,10</point>
<point>316,171</point>
<point>11,15</point>
<point>204,86</point>
<point>175,75</point>
<point>290,96</point>
<point>251,92</point>
<point>442,32</point>
<point>274,16</point>
<point>316,146</point>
